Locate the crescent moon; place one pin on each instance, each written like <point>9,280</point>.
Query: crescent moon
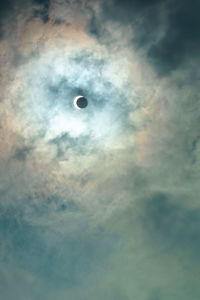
<point>75,102</point>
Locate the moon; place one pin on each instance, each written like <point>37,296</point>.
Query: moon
<point>80,102</point>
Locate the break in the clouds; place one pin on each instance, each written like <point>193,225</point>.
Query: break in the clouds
<point>102,202</point>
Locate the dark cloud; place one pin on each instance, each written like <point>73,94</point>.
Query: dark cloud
<point>181,40</point>
<point>50,204</point>
<point>61,263</point>
<point>168,31</point>
<point>6,8</point>
<point>64,143</point>
<point>194,149</point>
<point>22,153</point>
<point>43,11</point>
<point>59,21</point>
<point>172,226</point>
<point>94,25</point>
<point>145,17</point>
<point>127,11</point>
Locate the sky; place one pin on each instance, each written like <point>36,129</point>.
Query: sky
<point>102,202</point>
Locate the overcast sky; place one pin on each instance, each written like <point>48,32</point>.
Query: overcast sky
<point>102,202</point>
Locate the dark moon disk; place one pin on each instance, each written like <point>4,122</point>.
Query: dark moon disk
<point>82,102</point>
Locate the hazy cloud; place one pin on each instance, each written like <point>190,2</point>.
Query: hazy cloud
<point>101,203</point>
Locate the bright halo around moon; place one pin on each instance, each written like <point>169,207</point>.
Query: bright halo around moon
<point>80,102</point>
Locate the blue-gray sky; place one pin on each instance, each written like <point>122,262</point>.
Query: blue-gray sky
<point>103,202</point>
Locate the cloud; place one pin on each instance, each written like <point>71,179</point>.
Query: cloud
<point>167,32</point>
<point>22,153</point>
<point>169,224</point>
<point>5,8</point>
<point>60,260</point>
<point>181,39</point>
<point>101,203</point>
<point>43,11</point>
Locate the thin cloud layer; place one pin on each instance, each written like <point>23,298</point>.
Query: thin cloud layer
<point>99,203</point>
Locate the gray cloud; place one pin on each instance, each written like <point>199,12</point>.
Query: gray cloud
<point>43,11</point>
<point>167,32</point>
<point>64,143</point>
<point>171,226</point>
<point>63,264</point>
<point>5,8</point>
<point>101,203</point>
